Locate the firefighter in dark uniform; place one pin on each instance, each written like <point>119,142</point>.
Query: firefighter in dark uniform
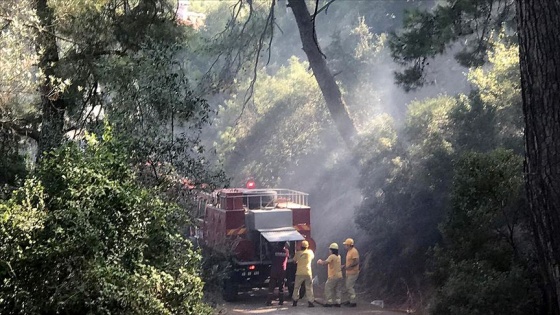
<point>278,272</point>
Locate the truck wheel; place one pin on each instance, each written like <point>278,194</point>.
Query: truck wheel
<point>230,291</point>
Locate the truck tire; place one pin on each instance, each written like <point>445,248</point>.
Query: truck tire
<point>230,291</point>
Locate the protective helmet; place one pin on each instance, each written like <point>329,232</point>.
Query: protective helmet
<point>333,246</point>
<point>305,244</point>
<point>349,241</point>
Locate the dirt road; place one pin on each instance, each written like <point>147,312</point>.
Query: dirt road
<point>254,303</point>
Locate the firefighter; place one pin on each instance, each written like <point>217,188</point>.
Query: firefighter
<point>303,260</point>
<point>333,286</point>
<point>278,272</point>
<point>352,268</point>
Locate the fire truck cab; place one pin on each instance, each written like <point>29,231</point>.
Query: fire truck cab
<point>246,223</point>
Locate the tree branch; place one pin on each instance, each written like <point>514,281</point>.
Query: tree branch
<point>40,29</point>
<point>94,54</point>
<point>18,127</point>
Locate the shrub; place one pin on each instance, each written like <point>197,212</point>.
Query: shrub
<point>83,237</point>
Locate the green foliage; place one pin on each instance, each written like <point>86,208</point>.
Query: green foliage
<point>407,184</point>
<point>476,288</point>
<point>499,90</point>
<point>125,60</point>
<point>84,237</point>
<point>18,86</point>
<point>284,125</point>
<point>18,58</point>
<point>480,267</point>
<point>232,43</point>
<point>355,55</point>
<point>216,268</point>
<point>429,33</point>
<point>139,79</point>
<point>272,153</point>
<point>486,191</point>
<point>428,123</point>
<point>405,194</point>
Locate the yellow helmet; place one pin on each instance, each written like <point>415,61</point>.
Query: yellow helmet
<point>333,246</point>
<point>349,241</point>
<point>305,244</point>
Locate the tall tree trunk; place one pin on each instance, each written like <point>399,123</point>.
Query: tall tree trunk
<point>539,44</point>
<point>53,106</point>
<point>325,79</point>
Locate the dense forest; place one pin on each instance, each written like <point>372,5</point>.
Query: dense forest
<point>423,129</point>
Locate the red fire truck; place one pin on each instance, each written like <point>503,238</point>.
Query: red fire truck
<point>246,222</point>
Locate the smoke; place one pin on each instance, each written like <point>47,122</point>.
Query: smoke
<point>331,179</point>
<point>333,183</point>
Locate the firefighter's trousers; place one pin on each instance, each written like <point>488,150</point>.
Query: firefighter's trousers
<point>333,290</point>
<point>308,288</point>
<point>276,282</point>
<point>349,294</point>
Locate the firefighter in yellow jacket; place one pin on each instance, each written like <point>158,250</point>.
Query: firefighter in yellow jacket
<point>303,260</point>
<point>352,271</point>
<point>333,286</point>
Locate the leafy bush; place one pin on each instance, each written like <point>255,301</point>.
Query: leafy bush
<point>482,265</point>
<point>476,287</point>
<point>83,237</point>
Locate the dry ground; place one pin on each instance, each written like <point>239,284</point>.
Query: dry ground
<point>254,303</point>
